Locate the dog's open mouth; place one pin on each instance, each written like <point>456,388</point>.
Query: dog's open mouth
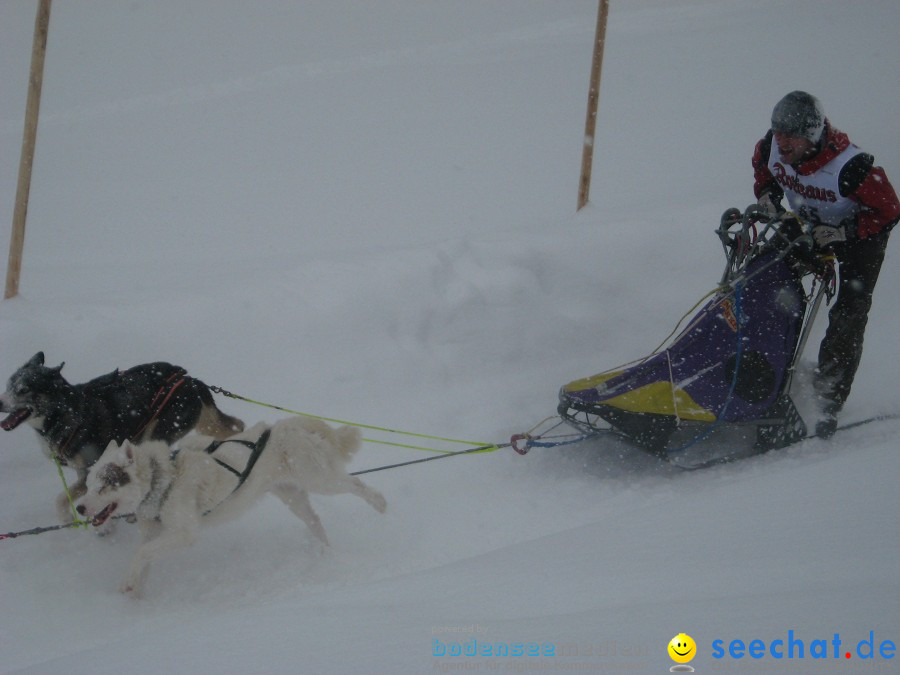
<point>15,418</point>
<point>104,515</point>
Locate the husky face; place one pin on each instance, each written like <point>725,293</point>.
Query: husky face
<point>112,485</point>
<point>32,392</point>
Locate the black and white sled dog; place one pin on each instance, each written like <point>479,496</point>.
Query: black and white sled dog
<point>175,492</point>
<point>75,422</point>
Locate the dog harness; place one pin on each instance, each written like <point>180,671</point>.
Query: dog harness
<point>174,381</point>
<point>256,450</point>
<point>242,476</point>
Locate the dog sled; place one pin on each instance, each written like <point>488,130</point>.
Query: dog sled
<point>721,388</point>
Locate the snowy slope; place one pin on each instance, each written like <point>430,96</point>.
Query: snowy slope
<point>366,211</point>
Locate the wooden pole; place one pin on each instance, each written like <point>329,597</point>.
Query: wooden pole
<point>590,124</point>
<point>29,138</point>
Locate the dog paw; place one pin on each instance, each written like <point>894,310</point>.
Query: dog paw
<point>380,504</point>
<point>65,516</point>
<point>318,548</point>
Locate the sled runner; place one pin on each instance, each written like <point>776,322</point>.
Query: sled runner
<point>728,373</point>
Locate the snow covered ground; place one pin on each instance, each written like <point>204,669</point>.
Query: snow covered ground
<point>365,210</point>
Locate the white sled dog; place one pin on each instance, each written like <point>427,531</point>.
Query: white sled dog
<point>175,492</point>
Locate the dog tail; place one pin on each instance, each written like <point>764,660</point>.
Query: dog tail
<point>213,422</point>
<point>348,440</point>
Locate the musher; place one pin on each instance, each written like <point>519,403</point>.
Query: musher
<point>835,189</point>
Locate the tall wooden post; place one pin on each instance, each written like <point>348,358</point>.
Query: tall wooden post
<point>587,154</point>
<point>32,106</point>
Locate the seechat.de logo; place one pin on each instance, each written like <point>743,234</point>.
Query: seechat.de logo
<point>796,647</point>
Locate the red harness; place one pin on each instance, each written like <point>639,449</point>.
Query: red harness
<point>156,409</point>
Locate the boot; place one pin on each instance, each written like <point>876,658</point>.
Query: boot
<point>826,427</point>
<point>827,424</point>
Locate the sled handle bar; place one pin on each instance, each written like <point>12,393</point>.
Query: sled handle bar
<point>740,245</point>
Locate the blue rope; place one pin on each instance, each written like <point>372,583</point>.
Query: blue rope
<point>547,444</point>
<point>522,443</point>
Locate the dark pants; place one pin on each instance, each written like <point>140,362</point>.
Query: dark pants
<point>859,262</point>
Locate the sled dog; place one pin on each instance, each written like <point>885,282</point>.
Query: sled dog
<point>75,422</point>
<point>175,492</point>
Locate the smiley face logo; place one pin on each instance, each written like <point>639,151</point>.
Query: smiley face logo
<point>682,648</point>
